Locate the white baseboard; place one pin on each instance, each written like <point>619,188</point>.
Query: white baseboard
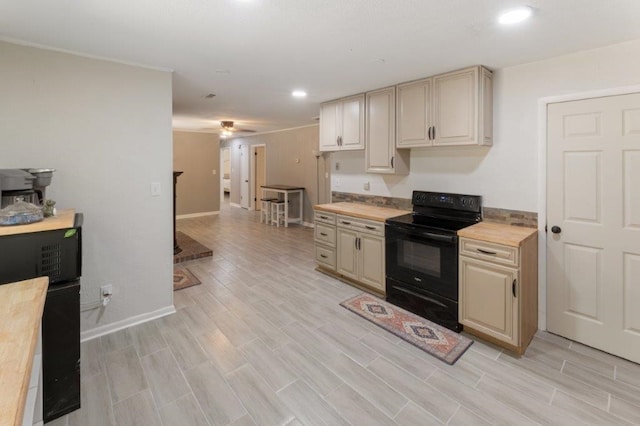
<point>190,215</point>
<point>126,323</point>
<point>309,225</point>
<point>235,205</point>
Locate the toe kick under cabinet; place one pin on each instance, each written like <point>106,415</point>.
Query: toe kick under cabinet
<point>498,283</point>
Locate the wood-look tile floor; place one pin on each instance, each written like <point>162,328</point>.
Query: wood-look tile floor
<point>263,341</point>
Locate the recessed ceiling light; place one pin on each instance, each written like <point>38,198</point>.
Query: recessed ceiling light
<point>515,16</point>
<point>299,94</point>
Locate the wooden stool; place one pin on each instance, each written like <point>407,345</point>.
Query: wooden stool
<point>265,210</point>
<point>277,213</point>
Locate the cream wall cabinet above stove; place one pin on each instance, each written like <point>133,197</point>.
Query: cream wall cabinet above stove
<point>455,108</point>
<point>342,124</point>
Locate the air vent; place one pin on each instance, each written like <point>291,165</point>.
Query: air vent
<point>51,261</point>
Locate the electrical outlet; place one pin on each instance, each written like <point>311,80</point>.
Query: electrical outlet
<point>337,183</point>
<point>366,186</point>
<point>213,172</point>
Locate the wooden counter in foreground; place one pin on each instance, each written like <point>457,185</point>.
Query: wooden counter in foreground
<point>363,211</point>
<point>499,233</point>
<point>21,307</point>
<point>62,220</point>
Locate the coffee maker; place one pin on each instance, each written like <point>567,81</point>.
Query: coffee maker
<point>26,184</point>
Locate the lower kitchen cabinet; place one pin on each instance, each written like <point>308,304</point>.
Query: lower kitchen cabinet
<point>361,257</point>
<point>350,245</point>
<point>489,302</point>
<point>498,284</point>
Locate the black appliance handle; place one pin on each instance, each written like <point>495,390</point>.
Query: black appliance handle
<point>422,296</point>
<point>451,239</point>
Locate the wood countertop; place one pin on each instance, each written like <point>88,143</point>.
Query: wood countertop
<point>21,307</point>
<point>499,233</point>
<point>363,211</point>
<point>62,220</point>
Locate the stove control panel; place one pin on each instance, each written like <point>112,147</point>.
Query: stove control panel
<point>472,203</point>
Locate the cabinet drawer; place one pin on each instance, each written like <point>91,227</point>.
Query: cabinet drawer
<point>492,252</point>
<point>324,217</point>
<point>325,234</point>
<point>326,256</point>
<point>362,225</point>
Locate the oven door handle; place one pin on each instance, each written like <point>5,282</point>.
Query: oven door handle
<point>438,237</point>
<point>435,237</point>
<point>422,296</point>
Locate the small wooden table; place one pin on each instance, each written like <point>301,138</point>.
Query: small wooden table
<point>286,190</point>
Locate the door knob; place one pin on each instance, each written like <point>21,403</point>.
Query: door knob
<point>556,229</point>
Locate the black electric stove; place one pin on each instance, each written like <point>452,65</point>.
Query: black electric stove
<point>422,254</point>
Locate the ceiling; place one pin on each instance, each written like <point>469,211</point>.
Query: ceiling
<point>252,53</point>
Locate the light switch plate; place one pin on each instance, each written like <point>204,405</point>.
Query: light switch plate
<point>155,189</point>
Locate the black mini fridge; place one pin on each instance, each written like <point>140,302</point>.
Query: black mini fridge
<point>58,255</point>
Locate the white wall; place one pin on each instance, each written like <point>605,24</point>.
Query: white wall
<point>106,128</point>
<point>506,175</point>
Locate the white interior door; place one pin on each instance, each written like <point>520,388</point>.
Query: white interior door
<point>593,198</point>
<point>244,177</point>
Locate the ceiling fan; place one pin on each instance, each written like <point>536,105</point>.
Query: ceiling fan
<point>228,129</point>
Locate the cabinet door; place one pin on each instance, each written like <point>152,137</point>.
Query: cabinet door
<point>347,253</point>
<point>380,130</point>
<point>455,108</point>
<point>352,118</point>
<point>487,303</point>
<point>371,261</point>
<point>329,120</point>
<point>414,114</point>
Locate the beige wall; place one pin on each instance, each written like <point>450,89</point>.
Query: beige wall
<point>197,155</point>
<point>290,161</point>
<point>106,129</point>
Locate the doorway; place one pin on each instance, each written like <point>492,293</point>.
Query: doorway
<point>258,169</point>
<point>225,174</point>
<point>593,215</point>
<point>244,177</point>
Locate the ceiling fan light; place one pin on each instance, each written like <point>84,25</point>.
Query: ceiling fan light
<point>515,16</point>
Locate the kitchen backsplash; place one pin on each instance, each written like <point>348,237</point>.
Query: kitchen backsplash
<point>373,200</point>
<point>489,214</point>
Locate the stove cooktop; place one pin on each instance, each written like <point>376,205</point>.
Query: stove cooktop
<point>445,225</point>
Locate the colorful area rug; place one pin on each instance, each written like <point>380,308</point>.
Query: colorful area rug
<point>438,341</point>
<point>191,249</point>
<point>183,278</point>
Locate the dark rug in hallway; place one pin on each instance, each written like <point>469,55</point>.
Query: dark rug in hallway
<point>191,249</point>
<point>438,341</point>
<point>183,278</point>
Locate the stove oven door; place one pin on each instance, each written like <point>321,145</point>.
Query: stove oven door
<point>423,259</point>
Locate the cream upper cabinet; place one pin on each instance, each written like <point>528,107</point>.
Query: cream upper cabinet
<point>414,114</point>
<point>454,108</point>
<point>342,124</point>
<point>462,113</point>
<point>380,132</point>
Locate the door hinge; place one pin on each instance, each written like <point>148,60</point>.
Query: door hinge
<point>255,153</point>
<point>545,228</point>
